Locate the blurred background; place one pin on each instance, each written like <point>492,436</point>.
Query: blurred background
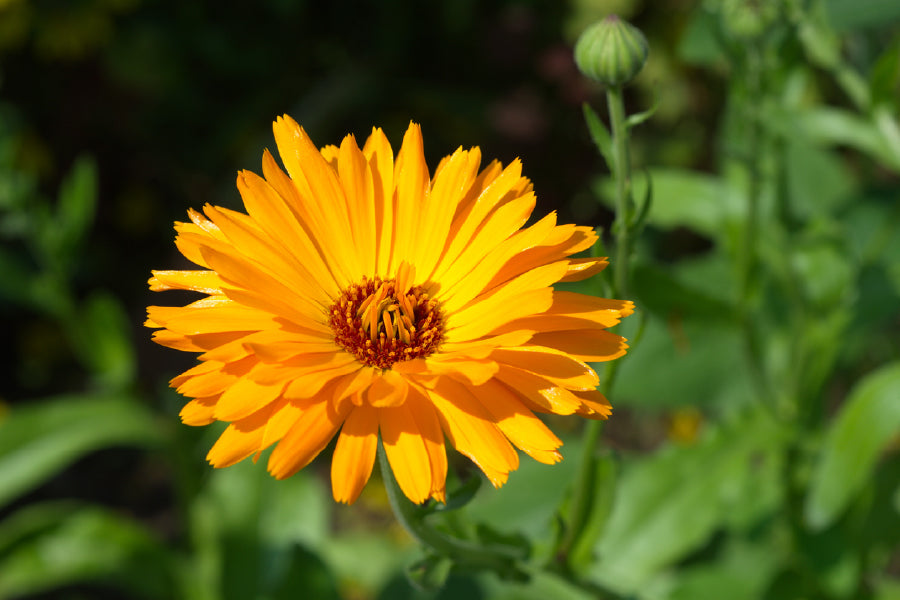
<point>116,116</point>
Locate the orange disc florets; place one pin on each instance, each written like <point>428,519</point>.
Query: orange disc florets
<point>381,325</point>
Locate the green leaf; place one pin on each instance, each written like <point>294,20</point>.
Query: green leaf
<point>826,126</point>
<point>847,15</point>
<point>430,573</point>
<point>867,422</point>
<point>37,441</point>
<point>740,572</point>
<point>665,292</point>
<point>638,118</point>
<point>603,484</point>
<point>601,136</point>
<point>46,546</point>
<point>817,180</point>
<point>77,203</point>
<point>102,339</point>
<point>458,497</point>
<point>884,78</point>
<point>681,198</point>
<point>670,504</point>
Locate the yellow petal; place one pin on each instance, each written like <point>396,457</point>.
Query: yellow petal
<point>199,411</point>
<point>553,365</point>
<point>452,181</point>
<point>245,397</point>
<point>354,454</point>
<point>471,430</point>
<point>321,194</point>
<point>308,384</point>
<point>275,203</point>
<point>271,257</point>
<point>502,223</point>
<point>481,277</point>
<point>594,405</point>
<point>388,388</point>
<point>214,381</point>
<point>411,182</point>
<point>405,448</point>
<point>359,191</point>
<point>474,372</point>
<point>239,440</point>
<point>541,394</point>
<point>582,268</point>
<point>498,188</point>
<point>380,156</point>
<point>251,286</point>
<point>588,345</point>
<point>518,423</point>
<point>309,436</point>
<point>429,425</point>
<point>207,282</point>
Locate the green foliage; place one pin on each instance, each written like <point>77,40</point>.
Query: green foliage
<point>753,451</point>
<point>39,440</point>
<point>858,437</point>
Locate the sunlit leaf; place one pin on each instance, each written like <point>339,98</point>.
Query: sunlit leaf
<point>102,338</point>
<point>77,203</point>
<point>46,546</point>
<point>681,198</point>
<point>869,419</point>
<point>37,441</point>
<point>670,504</point>
<point>601,136</point>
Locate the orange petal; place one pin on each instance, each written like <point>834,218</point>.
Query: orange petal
<point>472,431</point>
<point>411,180</point>
<point>354,454</point>
<point>388,388</point>
<point>308,384</point>
<point>594,405</point>
<point>207,282</point>
<point>582,268</point>
<point>589,345</point>
<point>309,436</point>
<point>542,394</point>
<point>245,397</point>
<point>430,428</point>
<point>405,446</point>
<point>199,411</point>
<point>518,423</point>
<point>239,440</point>
<point>553,365</point>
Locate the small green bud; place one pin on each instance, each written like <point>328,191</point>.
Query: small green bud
<point>612,51</point>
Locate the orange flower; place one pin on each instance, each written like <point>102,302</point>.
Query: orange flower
<point>362,295</point>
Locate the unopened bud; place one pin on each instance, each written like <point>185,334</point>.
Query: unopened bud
<point>612,51</point>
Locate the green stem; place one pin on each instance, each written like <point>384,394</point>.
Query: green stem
<point>622,175</point>
<point>412,517</point>
<point>621,171</point>
<point>746,252</point>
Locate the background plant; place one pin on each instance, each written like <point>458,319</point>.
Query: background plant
<point>753,451</point>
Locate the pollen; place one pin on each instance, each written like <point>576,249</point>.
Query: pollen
<point>382,322</point>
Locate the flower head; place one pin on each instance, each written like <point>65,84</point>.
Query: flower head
<point>361,296</point>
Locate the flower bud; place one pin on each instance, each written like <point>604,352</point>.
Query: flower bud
<point>612,51</point>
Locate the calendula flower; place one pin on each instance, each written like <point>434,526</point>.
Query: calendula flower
<point>361,296</point>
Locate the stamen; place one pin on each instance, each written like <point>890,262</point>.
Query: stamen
<point>382,322</point>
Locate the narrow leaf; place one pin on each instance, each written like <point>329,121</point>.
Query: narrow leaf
<point>601,136</point>
<point>38,441</point>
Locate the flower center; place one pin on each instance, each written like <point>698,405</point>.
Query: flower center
<point>380,323</point>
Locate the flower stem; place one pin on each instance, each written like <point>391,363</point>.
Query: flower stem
<point>622,174</point>
<point>412,517</point>
<point>621,170</point>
